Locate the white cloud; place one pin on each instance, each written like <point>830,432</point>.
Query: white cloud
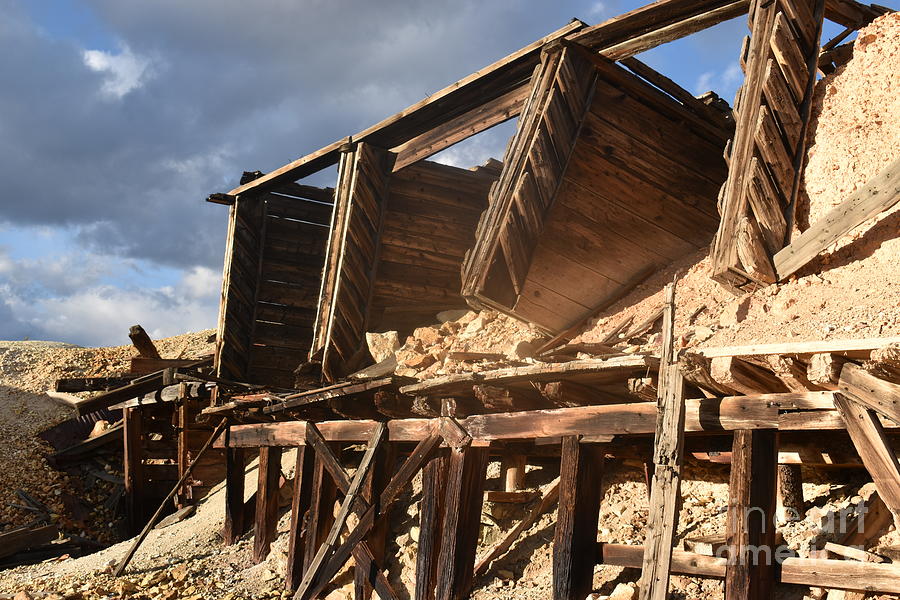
<point>68,299</point>
<point>598,10</point>
<point>724,82</point>
<point>123,72</point>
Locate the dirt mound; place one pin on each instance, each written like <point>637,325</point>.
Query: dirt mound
<point>27,370</point>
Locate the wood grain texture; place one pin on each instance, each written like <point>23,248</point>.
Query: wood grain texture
<point>575,535</point>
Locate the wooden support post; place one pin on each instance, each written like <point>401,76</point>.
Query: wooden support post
<point>235,525</point>
<point>750,524</point>
<point>513,468</point>
<point>575,537</point>
<point>300,505</point>
<point>431,516</point>
<point>668,458</point>
<point>868,436</point>
<point>266,518</point>
<point>134,472</point>
<point>321,510</point>
<point>377,538</point>
<point>462,521</point>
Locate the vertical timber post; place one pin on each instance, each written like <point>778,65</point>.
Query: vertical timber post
<point>382,470</point>
<point>462,522</point>
<point>266,501</point>
<point>321,510</point>
<point>300,504</point>
<point>750,523</point>
<point>575,538</point>
<point>235,525</point>
<point>134,472</point>
<point>431,515</point>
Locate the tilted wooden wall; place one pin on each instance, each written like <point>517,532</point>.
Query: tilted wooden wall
<point>273,263</point>
<point>395,249</point>
<point>630,186</point>
<point>772,111</point>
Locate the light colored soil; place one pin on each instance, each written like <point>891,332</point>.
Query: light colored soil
<point>27,370</point>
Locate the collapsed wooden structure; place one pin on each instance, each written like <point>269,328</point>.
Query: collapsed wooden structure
<point>606,149</point>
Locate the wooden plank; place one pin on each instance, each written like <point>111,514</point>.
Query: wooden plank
<point>266,519</point>
<point>575,535</point>
<point>668,459</point>
<point>17,540</point>
<point>467,469</point>
<point>868,436</point>
<point>878,195</point>
<point>381,472</point>
<point>142,342</point>
<point>787,53</point>
<point>852,347</point>
<point>750,523</point>
<point>841,574</point>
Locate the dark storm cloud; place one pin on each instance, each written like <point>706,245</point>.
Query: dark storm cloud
<point>201,90</point>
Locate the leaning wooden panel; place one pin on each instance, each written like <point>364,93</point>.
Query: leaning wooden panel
<point>348,277</point>
<point>766,159</point>
<point>602,160</point>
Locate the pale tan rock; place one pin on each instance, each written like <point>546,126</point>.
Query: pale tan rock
<point>623,591</point>
<point>382,345</point>
<point>446,316</point>
<point>735,312</point>
<point>429,336</point>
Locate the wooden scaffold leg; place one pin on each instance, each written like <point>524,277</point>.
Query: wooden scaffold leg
<point>575,537</point>
<point>266,519</point>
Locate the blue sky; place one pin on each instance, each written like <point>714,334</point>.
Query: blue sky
<point>118,117</point>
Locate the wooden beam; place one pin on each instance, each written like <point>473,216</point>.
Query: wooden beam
<point>266,519</point>
<point>321,510</point>
<point>758,411</point>
<point>549,498</point>
<point>750,522</point>
<point>462,520</point>
<point>878,195</point>
<point>676,30</point>
<point>575,535</point>
<point>676,17</point>
<point>133,465</point>
<point>470,92</point>
<point>858,347</point>
<point>375,513</point>
<point>869,438</point>
<point>480,118</point>
<point>838,574</point>
<point>380,476</point>
<point>870,391</point>
<point>142,342</point>
<point>326,549</point>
